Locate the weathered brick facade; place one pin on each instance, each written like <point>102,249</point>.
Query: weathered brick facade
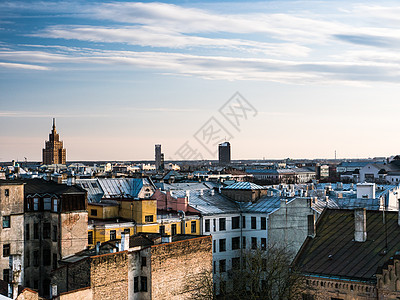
<point>173,265</point>
<point>106,275</point>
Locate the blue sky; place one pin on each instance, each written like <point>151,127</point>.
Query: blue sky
<point>123,76</point>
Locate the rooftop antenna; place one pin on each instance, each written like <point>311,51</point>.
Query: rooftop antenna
<point>335,154</point>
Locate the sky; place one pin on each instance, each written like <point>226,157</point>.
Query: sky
<point>277,79</point>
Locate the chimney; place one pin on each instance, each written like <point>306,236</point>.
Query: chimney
<point>398,208</point>
<point>124,241</point>
<point>360,222</point>
<point>201,193</point>
<point>212,192</point>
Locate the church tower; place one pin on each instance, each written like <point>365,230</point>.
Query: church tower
<point>54,153</point>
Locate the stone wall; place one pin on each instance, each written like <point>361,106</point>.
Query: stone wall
<point>175,265</point>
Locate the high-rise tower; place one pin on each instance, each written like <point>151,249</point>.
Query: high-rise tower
<point>54,153</point>
<point>159,158</point>
<point>224,153</point>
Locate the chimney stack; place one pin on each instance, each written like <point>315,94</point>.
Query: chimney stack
<point>360,222</point>
<point>124,241</point>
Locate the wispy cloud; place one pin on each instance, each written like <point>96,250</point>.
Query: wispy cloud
<point>23,66</point>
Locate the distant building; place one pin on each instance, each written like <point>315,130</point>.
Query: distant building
<point>224,153</point>
<point>54,153</point>
<point>159,158</point>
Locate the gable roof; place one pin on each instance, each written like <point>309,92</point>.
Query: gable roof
<point>334,253</point>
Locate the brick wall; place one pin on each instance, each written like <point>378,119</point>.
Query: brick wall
<point>109,276</point>
<point>81,294</point>
<point>174,265</point>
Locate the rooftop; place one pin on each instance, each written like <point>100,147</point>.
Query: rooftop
<point>333,251</point>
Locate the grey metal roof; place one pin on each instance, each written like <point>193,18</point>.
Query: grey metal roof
<point>351,203</point>
<point>94,191</point>
<point>244,186</point>
<point>209,204</point>
<point>184,186</point>
<point>263,205</point>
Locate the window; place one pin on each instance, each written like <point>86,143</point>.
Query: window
<point>263,223</point>
<point>55,233</point>
<point>307,297</point>
<point>235,243</point>
<point>214,246</point>
<point>311,225</point>
<point>6,222</point>
<point>113,234</point>
<point>148,218</point>
<point>46,203</point>
<point>55,205</point>
<point>162,229</point>
<point>243,221</point>
<point>136,284</point>
<point>264,264</point>
<point>263,244</point>
<point>173,229</point>
<point>235,222</point>
<point>55,259</point>
<point>236,263</point>
<point>90,238</point>
<point>127,231</point>
<point>35,203</point>
<point>253,223</point>
<point>94,185</point>
<point>36,258</point>
<point>36,284</point>
<point>243,242</point>
<point>214,225</point>
<point>6,275</point>
<point>144,261</point>
<point>27,258</point>
<point>36,231</point>
<point>27,232</point>
<point>222,224</point>
<point>207,225</point>
<point>193,226</point>
<point>93,212</point>
<point>222,288</point>
<point>222,245</point>
<point>143,283</point>
<point>46,230</point>
<point>222,265</point>
<point>253,243</point>
<point>6,192</point>
<point>6,250</point>
<point>215,267</point>
<point>46,257</point>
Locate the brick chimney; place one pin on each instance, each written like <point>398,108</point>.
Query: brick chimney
<point>360,222</point>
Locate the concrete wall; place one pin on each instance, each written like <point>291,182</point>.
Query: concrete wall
<point>173,265</point>
<point>288,226</point>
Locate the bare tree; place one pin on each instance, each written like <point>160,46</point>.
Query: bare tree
<point>264,274</point>
<point>201,286</point>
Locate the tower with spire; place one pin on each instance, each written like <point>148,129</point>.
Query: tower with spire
<point>54,153</point>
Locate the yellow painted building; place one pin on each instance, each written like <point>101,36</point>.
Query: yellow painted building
<point>109,219</point>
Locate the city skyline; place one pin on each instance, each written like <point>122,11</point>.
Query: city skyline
<point>120,77</point>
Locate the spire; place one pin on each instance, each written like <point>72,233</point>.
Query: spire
<point>54,123</point>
